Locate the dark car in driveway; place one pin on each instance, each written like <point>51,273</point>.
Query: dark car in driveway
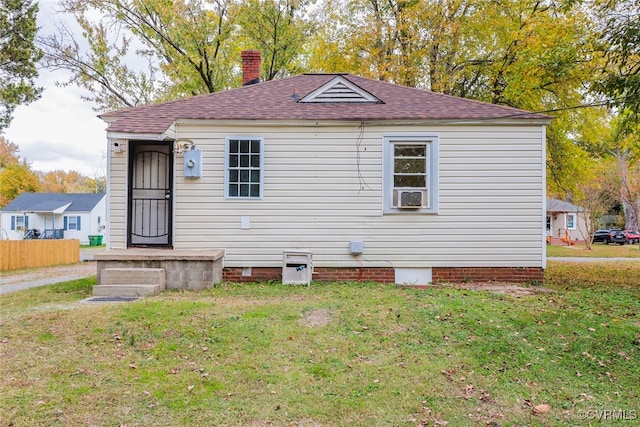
<point>608,235</point>
<point>619,237</point>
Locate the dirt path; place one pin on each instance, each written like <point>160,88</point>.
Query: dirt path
<point>24,279</point>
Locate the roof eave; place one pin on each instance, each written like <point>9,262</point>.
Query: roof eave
<point>369,121</point>
<point>167,135</point>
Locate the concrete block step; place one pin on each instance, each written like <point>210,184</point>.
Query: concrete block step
<point>127,276</point>
<point>133,290</point>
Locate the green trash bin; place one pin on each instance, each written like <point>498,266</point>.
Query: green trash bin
<point>93,240</point>
<point>99,242</point>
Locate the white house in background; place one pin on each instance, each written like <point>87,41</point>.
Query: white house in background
<point>565,221</point>
<point>55,215</point>
<point>374,180</point>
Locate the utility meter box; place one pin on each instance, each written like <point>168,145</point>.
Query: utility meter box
<point>297,267</point>
<point>193,163</point>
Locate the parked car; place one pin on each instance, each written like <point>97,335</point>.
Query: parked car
<point>619,237</point>
<point>606,235</point>
<point>632,236</point>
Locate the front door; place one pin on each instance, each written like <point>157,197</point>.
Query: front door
<point>150,184</point>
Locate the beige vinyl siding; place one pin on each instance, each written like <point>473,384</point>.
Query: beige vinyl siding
<point>319,194</point>
<point>117,196</point>
<point>323,186</point>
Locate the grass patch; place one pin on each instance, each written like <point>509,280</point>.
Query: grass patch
<point>598,250</point>
<point>569,276</point>
<point>332,354</point>
<point>59,293</point>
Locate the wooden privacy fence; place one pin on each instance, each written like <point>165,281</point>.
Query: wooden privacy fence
<point>17,254</point>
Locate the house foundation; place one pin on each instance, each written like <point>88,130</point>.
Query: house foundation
<point>133,270</point>
<point>387,274</point>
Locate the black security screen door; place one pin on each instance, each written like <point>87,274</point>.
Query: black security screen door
<point>150,183</point>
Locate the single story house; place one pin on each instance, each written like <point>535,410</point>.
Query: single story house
<point>566,222</point>
<point>54,216</point>
<point>355,178</point>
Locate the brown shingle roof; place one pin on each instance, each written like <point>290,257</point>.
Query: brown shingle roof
<point>272,100</point>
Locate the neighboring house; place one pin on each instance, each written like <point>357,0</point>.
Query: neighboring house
<point>376,181</point>
<point>565,221</point>
<point>55,215</point>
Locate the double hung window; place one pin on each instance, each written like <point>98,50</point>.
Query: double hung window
<point>18,222</point>
<point>72,222</point>
<point>411,167</point>
<point>244,168</point>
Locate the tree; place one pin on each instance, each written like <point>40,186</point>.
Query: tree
<point>102,70</point>
<point>9,153</point>
<point>99,184</point>
<point>277,29</point>
<point>59,181</point>
<point>620,78</point>
<point>18,57</point>
<point>186,47</point>
<point>530,54</point>
<point>595,198</point>
<point>624,148</point>
<point>182,45</point>
<point>16,179</point>
<point>527,54</point>
<point>380,39</point>
<point>16,175</point>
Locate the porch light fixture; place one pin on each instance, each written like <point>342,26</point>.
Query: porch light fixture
<point>183,145</point>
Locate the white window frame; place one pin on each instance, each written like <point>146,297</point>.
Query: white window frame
<point>571,221</point>
<point>72,220</point>
<point>432,184</point>
<point>228,167</point>
<point>20,222</point>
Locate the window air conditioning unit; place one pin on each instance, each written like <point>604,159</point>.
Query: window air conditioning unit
<point>410,199</point>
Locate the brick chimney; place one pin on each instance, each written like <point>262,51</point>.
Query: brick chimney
<point>250,67</point>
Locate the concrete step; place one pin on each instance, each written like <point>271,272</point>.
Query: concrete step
<point>127,276</point>
<point>133,290</point>
<point>130,282</point>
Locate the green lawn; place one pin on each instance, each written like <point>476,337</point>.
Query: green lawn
<point>598,250</point>
<point>329,354</point>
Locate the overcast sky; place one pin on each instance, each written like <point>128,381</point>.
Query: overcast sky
<point>59,131</point>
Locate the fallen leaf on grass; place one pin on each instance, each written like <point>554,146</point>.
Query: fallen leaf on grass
<point>485,396</point>
<point>541,408</point>
<point>467,392</point>
<point>585,396</point>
